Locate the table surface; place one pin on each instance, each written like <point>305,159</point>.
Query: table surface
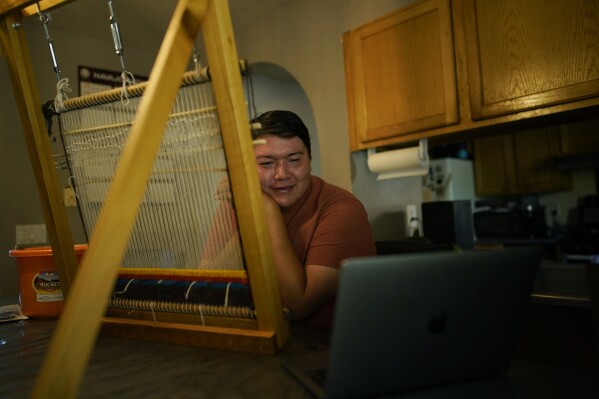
<point>124,368</point>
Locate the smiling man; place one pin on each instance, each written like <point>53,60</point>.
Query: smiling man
<point>313,225</point>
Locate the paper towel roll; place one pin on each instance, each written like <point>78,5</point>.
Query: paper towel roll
<point>404,162</point>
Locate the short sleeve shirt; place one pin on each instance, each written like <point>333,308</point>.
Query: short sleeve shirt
<point>328,225</point>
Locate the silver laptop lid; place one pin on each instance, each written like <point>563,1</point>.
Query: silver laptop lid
<point>409,321</point>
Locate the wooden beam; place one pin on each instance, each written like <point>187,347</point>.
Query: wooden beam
<point>183,318</point>
<point>29,7</point>
<point>77,330</point>
<point>237,339</point>
<point>26,94</point>
<point>8,6</point>
<point>230,101</point>
<point>44,5</point>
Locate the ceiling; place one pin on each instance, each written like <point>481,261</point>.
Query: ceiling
<point>142,23</point>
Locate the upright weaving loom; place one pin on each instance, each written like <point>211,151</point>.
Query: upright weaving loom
<point>179,165</point>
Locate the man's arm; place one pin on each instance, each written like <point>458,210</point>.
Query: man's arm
<point>303,289</point>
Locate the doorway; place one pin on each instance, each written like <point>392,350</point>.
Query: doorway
<point>275,88</point>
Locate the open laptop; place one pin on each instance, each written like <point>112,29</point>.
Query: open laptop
<point>411,321</point>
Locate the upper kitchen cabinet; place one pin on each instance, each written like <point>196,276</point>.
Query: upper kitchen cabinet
<point>400,73</point>
<point>523,55</point>
<point>438,68</point>
<point>519,163</point>
<point>580,137</point>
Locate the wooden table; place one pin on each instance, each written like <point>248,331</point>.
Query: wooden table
<point>123,368</point>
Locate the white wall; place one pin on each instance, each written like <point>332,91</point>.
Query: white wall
<point>303,37</point>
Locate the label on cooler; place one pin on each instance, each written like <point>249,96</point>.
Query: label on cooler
<point>46,284</point>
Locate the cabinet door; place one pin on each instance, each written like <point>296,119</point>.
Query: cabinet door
<point>536,153</point>
<point>580,137</point>
<point>519,163</point>
<point>523,55</point>
<point>400,73</point>
<point>494,166</point>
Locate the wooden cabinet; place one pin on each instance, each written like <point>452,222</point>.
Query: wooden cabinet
<point>494,167</point>
<point>439,68</point>
<point>580,137</point>
<point>519,163</point>
<point>529,54</point>
<point>400,73</point>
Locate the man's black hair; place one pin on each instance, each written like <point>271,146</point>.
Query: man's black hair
<point>282,124</point>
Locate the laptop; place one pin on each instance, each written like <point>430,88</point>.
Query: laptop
<point>412,321</point>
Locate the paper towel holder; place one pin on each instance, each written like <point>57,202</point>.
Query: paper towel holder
<point>417,165</point>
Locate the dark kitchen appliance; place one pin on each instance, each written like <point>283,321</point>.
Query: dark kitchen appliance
<point>588,211</point>
<point>524,221</point>
<point>448,222</point>
<point>582,240</point>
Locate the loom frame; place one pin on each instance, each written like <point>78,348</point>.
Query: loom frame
<point>85,297</point>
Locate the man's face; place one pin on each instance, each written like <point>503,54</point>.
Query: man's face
<point>284,169</point>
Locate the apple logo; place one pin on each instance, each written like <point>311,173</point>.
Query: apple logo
<point>437,324</point>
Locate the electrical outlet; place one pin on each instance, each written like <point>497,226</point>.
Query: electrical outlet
<point>412,219</point>
<point>69,197</point>
<point>554,215</point>
<point>31,234</point>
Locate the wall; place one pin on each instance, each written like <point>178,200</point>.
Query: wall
<point>286,93</point>
<point>565,202</point>
<point>302,36</point>
<point>19,200</point>
<point>385,200</point>
<point>19,203</point>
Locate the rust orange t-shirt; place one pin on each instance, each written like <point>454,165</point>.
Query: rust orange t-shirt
<point>326,226</point>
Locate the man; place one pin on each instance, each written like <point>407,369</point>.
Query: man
<point>313,225</point>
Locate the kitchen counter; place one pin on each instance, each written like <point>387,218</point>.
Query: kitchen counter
<point>559,281</point>
<point>562,284</point>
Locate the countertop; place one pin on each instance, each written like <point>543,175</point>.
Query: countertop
<point>123,368</point>
<point>562,284</point>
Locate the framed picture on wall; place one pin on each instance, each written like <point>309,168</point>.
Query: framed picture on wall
<point>93,80</point>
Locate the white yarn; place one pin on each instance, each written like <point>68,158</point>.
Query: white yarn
<point>62,86</point>
<point>128,79</point>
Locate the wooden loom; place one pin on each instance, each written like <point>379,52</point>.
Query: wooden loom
<point>87,295</point>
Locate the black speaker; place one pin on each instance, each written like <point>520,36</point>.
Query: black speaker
<point>448,222</point>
